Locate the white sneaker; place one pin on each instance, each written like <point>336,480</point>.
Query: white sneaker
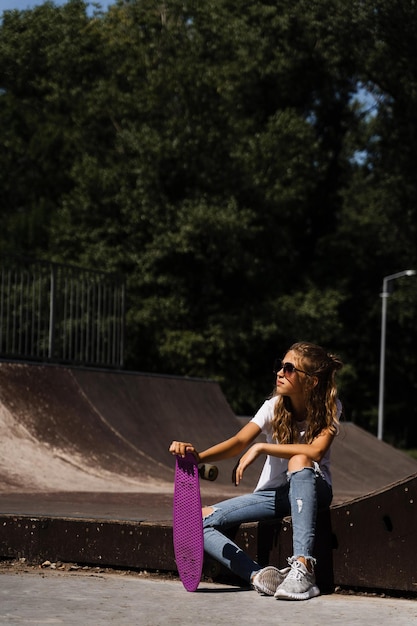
<point>268,579</point>
<point>299,584</point>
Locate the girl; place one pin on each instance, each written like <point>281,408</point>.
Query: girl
<point>300,421</point>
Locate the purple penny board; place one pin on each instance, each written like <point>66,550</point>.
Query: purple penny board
<point>188,522</point>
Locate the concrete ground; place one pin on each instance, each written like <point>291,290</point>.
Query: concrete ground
<point>97,598</point>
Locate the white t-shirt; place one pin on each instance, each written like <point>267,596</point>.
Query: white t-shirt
<point>274,471</point>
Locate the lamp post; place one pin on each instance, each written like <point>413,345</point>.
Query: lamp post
<point>384,295</point>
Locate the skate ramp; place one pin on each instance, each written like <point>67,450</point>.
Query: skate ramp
<point>68,430</point>
<point>52,438</point>
<point>362,464</point>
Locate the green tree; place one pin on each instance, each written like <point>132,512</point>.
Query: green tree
<point>377,230</point>
<point>48,57</point>
<point>223,175</point>
<point>219,155</point>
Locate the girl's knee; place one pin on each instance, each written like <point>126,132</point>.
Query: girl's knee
<point>299,462</point>
<point>207,511</point>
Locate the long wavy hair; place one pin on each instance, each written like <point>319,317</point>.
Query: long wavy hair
<point>320,395</point>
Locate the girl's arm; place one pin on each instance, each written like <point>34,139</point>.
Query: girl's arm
<point>314,450</point>
<point>224,450</point>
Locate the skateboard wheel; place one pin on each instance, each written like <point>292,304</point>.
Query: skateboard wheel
<point>208,472</point>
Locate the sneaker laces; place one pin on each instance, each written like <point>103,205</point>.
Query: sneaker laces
<point>295,572</point>
<point>298,570</point>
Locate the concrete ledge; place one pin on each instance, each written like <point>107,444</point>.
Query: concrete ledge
<point>142,545</point>
<point>138,545</point>
<point>368,543</point>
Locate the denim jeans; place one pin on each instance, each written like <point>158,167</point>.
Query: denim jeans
<point>305,492</point>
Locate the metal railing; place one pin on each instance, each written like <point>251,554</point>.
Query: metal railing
<point>60,313</point>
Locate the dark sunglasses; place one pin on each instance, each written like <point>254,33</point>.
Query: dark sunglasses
<point>289,368</point>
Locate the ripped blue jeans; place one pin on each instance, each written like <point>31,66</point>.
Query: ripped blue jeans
<point>305,492</point>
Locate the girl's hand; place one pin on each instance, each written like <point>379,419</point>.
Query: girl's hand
<point>181,448</point>
<point>247,459</point>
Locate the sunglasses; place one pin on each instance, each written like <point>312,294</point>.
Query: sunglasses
<point>288,368</point>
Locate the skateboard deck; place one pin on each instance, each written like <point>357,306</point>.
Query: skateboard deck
<point>188,522</point>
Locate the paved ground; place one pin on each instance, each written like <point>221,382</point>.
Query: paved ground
<point>97,598</point>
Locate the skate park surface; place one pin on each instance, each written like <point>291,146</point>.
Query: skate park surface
<point>92,445</point>
<point>99,599</point>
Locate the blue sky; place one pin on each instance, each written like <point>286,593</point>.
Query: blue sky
<point>21,5</point>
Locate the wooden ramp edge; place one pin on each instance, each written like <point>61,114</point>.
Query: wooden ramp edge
<point>367,543</point>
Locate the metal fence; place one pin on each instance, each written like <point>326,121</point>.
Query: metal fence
<point>62,314</point>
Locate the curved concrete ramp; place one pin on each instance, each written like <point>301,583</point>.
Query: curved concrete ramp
<point>68,429</point>
<point>151,411</point>
<point>362,464</point>
<point>75,430</point>
<point>52,438</point>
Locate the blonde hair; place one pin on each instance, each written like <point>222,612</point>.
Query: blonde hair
<point>320,395</point>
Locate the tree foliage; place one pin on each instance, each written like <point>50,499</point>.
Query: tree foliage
<point>248,166</point>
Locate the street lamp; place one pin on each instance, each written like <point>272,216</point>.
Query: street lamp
<point>384,295</point>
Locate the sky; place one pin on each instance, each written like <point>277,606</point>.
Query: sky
<point>21,5</point>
